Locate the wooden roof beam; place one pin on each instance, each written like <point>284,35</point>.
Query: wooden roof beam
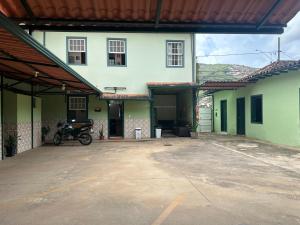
<point>158,12</point>
<point>28,10</point>
<point>268,14</point>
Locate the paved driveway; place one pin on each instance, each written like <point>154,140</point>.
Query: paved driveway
<point>213,180</point>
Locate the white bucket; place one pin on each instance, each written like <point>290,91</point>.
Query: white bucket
<point>138,133</point>
<point>158,132</point>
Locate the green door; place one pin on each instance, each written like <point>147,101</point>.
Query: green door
<point>240,116</point>
<point>224,115</point>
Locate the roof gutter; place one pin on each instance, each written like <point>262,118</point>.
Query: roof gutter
<point>22,35</point>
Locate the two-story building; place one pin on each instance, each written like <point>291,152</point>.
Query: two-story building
<point>125,64</point>
<point>147,80</point>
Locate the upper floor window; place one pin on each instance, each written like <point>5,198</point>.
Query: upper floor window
<point>76,51</point>
<point>116,52</point>
<point>175,53</point>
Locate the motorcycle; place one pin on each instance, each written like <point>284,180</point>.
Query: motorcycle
<point>74,131</point>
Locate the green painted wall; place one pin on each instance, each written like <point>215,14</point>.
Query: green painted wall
<point>94,102</point>
<point>23,108</point>
<point>54,107</point>
<point>10,107</point>
<point>280,109</point>
<point>136,109</point>
<point>146,58</point>
<point>37,111</point>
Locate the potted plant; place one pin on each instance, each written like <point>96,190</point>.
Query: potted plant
<point>194,132</point>
<point>11,145</point>
<point>45,131</point>
<point>101,135</point>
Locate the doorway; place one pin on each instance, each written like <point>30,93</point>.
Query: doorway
<point>240,116</point>
<point>224,116</point>
<point>115,119</point>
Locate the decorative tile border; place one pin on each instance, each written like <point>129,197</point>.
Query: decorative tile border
<point>131,124</point>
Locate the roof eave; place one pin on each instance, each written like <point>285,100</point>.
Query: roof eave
<point>22,35</point>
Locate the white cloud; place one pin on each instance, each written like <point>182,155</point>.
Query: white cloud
<point>214,44</point>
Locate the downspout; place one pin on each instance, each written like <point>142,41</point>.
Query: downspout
<point>44,38</point>
<point>193,46</point>
<point>151,114</point>
<point>213,113</point>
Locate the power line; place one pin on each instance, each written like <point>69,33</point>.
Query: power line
<point>231,54</point>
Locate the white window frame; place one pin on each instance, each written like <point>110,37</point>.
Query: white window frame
<point>76,106</point>
<point>169,54</point>
<point>80,45</point>
<point>117,43</point>
<point>116,46</point>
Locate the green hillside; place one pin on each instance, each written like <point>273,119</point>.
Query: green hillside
<point>221,72</point>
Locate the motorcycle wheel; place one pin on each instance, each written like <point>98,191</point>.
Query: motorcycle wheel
<point>85,139</point>
<point>57,139</point>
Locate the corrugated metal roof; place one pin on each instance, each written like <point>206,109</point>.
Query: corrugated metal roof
<point>200,13</point>
<point>22,57</point>
<point>222,85</point>
<point>172,84</point>
<point>111,96</point>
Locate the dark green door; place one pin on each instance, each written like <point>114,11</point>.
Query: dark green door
<point>224,115</point>
<point>240,116</point>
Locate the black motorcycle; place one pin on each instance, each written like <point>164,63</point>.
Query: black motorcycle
<point>74,131</point>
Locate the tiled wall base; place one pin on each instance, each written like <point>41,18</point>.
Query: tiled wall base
<point>8,128</point>
<point>131,124</point>
<point>53,128</point>
<point>37,134</point>
<point>24,133</point>
<point>97,126</point>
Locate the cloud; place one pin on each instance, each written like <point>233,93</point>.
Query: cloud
<point>220,44</point>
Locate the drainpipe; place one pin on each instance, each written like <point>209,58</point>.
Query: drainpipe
<point>2,136</point>
<point>32,115</point>
<point>44,38</point>
<point>213,113</point>
<point>193,46</point>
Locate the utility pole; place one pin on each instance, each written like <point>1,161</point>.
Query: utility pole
<point>278,53</point>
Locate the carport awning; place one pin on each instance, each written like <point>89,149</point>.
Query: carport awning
<point>24,59</point>
<point>222,85</point>
<point>153,85</point>
<point>210,16</point>
<point>112,96</point>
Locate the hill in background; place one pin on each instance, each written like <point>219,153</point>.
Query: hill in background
<point>222,72</point>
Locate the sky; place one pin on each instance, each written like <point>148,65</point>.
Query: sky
<point>220,44</point>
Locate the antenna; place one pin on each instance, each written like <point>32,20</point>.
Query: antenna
<point>115,89</point>
<point>278,53</point>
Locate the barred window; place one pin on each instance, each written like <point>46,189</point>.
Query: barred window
<point>175,53</point>
<point>77,51</point>
<point>116,52</point>
<point>77,103</point>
